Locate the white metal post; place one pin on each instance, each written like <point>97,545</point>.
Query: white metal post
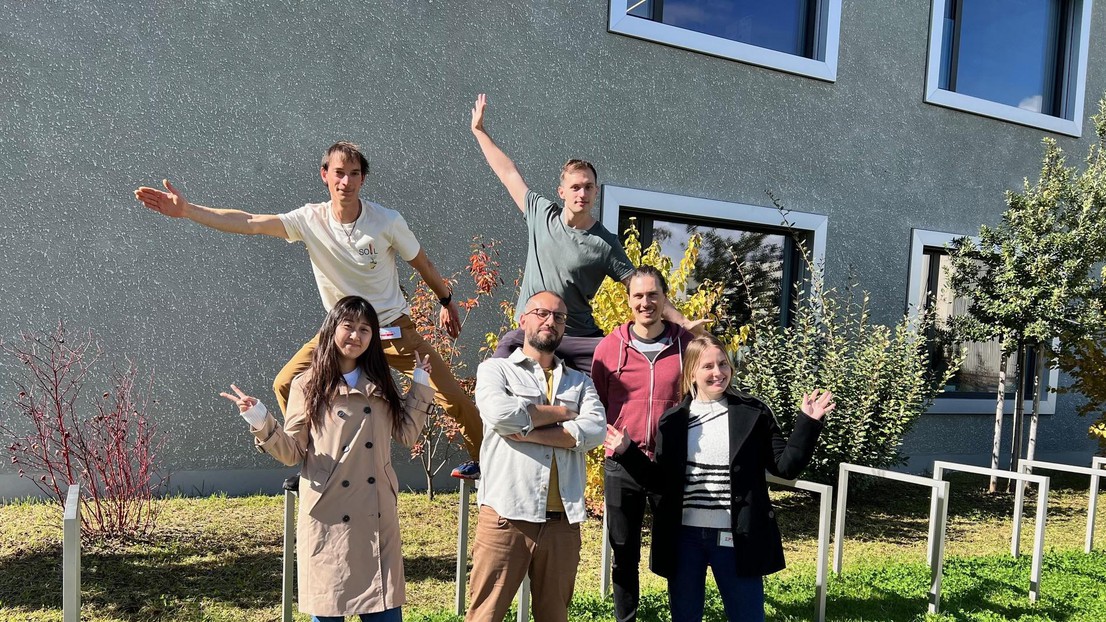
<point>825,505</point>
<point>1095,473</point>
<point>938,514</point>
<point>524,601</point>
<point>936,553</point>
<point>462,547</point>
<point>71,556</point>
<point>605,561</point>
<point>939,468</point>
<point>1097,464</point>
<point>839,520</point>
<point>288,557</point>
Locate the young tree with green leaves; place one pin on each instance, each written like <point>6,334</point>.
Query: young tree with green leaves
<point>1035,277</point>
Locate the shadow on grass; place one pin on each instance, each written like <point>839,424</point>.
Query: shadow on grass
<point>141,582</point>
<point>435,567</point>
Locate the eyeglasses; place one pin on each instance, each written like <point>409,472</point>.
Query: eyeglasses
<point>559,317</point>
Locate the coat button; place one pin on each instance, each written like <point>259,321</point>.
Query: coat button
<point>771,514</point>
<point>368,410</point>
<point>372,480</point>
<point>345,449</point>
<point>342,414</point>
<point>345,519</point>
<point>369,445</point>
<point>345,483</point>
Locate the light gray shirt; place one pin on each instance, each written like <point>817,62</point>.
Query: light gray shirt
<point>514,475</point>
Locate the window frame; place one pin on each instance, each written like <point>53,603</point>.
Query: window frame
<point>920,240</point>
<point>717,212</point>
<point>1071,124</point>
<point>826,44</point>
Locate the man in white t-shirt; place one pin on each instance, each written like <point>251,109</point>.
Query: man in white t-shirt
<point>353,246</point>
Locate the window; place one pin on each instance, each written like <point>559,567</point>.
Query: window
<point>797,36</point>
<point>771,259</point>
<point>972,389</point>
<point>1023,61</point>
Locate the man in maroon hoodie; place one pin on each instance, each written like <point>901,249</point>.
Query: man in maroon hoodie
<point>636,370</point>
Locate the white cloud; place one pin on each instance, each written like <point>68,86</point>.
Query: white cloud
<point>1032,104</point>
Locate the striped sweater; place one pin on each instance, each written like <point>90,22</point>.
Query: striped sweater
<point>707,487</point>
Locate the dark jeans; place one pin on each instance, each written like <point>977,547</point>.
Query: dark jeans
<point>742,597</point>
<point>388,615</point>
<point>576,352</point>
<point>625,507</point>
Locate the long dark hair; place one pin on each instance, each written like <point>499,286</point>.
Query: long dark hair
<point>326,375</point>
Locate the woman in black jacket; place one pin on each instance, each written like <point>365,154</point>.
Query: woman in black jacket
<point>712,452</point>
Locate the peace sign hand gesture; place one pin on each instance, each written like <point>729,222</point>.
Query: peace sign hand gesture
<point>252,410</point>
<point>421,373</point>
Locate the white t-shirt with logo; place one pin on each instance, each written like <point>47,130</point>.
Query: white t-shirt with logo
<point>357,258</point>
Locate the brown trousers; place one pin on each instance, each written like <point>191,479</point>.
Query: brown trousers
<point>506,550</point>
<point>401,357</point>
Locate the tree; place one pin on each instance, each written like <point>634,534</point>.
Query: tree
<point>1034,277</point>
<point>442,435</point>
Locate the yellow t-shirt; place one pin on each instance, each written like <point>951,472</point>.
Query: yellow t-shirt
<point>553,501</point>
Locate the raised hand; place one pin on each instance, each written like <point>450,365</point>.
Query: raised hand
<point>818,403</point>
<point>171,203</point>
<point>422,363</point>
<point>616,442</point>
<point>478,112</point>
<point>243,401</point>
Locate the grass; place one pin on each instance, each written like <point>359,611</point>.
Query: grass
<point>218,558</point>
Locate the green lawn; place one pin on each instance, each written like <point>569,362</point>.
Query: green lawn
<point>218,558</point>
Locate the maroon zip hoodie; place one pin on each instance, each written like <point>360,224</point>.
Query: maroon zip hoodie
<point>634,391</point>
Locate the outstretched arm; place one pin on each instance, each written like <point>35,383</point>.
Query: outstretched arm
<point>501,165</point>
<point>172,203</point>
<point>449,317</point>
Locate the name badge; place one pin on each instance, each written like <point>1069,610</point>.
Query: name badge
<point>390,332</point>
<point>725,538</point>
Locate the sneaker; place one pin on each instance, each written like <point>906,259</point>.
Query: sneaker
<point>467,470</point>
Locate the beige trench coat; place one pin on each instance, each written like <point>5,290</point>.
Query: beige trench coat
<point>348,545</point>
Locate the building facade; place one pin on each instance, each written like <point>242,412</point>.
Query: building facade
<point>884,128</point>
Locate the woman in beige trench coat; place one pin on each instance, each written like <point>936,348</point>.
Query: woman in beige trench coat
<point>341,415</point>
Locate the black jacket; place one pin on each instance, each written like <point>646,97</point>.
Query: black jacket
<point>756,444</point>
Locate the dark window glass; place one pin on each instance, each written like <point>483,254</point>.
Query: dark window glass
<point>770,262</point>
<point>1014,52</point>
<point>782,25</point>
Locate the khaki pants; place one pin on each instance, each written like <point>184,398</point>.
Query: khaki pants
<point>506,550</point>
<point>401,357</point>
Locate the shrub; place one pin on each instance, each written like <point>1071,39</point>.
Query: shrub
<point>880,375</point>
<point>112,454</point>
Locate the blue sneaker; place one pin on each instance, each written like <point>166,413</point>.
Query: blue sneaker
<point>467,470</point>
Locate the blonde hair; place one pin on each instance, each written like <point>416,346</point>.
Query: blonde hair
<point>694,351</point>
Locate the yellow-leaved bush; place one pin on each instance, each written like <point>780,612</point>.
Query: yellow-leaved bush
<point>610,310</point>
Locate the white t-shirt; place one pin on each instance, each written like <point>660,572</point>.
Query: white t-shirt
<point>357,258</point>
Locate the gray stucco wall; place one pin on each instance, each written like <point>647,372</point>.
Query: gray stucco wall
<point>235,101</point>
